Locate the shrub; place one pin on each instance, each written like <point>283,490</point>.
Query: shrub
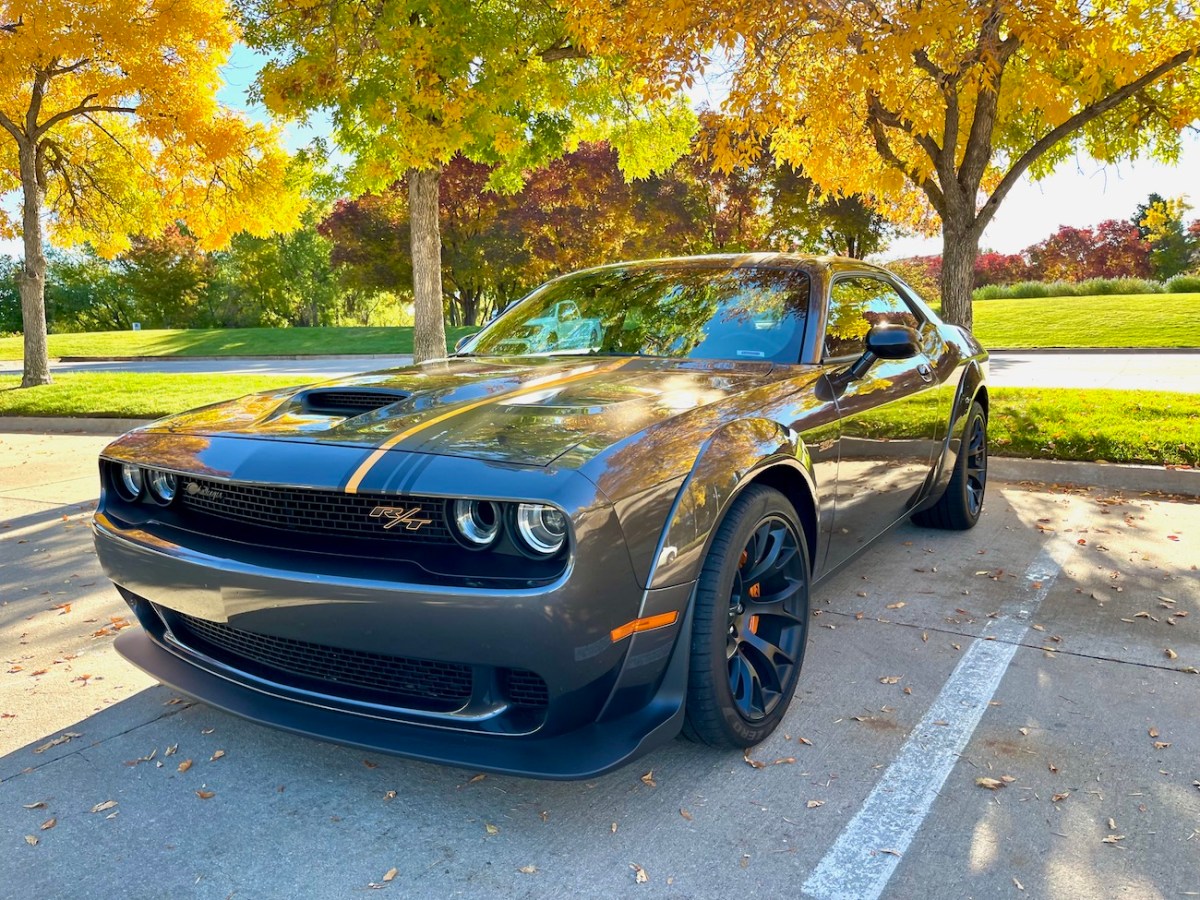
<point>1184,284</point>
<point>1090,288</point>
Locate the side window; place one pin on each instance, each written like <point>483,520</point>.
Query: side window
<point>856,304</point>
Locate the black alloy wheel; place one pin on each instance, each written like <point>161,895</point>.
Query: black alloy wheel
<point>751,622</point>
<point>960,505</point>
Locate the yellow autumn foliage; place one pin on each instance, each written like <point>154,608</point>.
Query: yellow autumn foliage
<point>116,104</point>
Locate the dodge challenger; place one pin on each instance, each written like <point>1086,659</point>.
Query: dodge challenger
<point>550,561</point>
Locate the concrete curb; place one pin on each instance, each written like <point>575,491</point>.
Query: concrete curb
<point>64,425</point>
<point>1112,476</point>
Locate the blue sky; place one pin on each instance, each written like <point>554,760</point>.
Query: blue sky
<point>1081,193</point>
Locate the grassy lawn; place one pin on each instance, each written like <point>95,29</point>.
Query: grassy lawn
<point>231,342</point>
<point>132,395</point>
<point>1117,426</point>
<point>1120,320</point>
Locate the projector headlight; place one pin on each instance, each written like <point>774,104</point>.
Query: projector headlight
<point>130,482</point>
<point>163,486</point>
<point>476,523</point>
<point>542,530</point>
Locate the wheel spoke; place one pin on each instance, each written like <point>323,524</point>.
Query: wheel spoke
<point>779,603</point>
<point>772,654</point>
<point>771,545</point>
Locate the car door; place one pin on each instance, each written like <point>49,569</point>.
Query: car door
<point>890,417</point>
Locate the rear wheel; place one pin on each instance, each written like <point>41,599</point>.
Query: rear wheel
<point>959,507</point>
<point>751,622</point>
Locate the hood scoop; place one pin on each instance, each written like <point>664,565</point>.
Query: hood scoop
<point>349,401</point>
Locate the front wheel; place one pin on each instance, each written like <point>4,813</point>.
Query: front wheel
<point>751,622</point>
<point>959,507</point>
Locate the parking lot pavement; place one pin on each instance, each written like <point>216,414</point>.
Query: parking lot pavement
<point>1032,651</point>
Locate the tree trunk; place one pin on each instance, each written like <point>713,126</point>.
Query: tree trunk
<point>959,249</point>
<point>429,327</point>
<point>33,275</point>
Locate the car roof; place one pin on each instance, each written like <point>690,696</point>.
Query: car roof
<point>807,262</point>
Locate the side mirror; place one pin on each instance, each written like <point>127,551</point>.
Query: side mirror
<point>885,342</point>
<point>463,341</point>
<point>893,341</point>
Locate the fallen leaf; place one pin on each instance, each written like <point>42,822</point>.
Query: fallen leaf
<point>1170,654</point>
<point>61,739</point>
<point>1112,824</point>
<point>784,761</point>
<point>753,763</point>
<point>613,828</point>
<point>687,815</point>
<point>41,804</point>
<point>648,779</point>
<point>389,795</point>
<point>898,605</point>
<point>1161,745</point>
<point>1019,886</point>
<point>1063,796</point>
<point>527,870</point>
<point>1024,731</point>
<point>216,755</point>
<point>101,807</point>
<point>390,874</point>
<point>205,795</point>
<point>889,851</point>
<point>1112,838</point>
<point>1153,732</point>
<point>370,765</point>
<point>813,804</point>
<point>31,840</point>
<point>889,679</point>
<point>744,862</point>
<point>805,741</point>
<point>475,779</point>
<point>490,828</point>
<point>185,765</point>
<point>639,874</point>
<point>48,824</point>
<point>992,784</point>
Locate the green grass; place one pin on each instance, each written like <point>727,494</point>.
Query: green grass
<point>1117,426</point>
<point>231,342</point>
<point>1150,427</point>
<point>1119,321</point>
<point>132,395</point>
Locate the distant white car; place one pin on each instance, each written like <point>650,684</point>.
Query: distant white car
<point>562,328</point>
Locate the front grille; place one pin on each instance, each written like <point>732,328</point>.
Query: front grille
<point>525,688</point>
<point>351,402</point>
<point>447,684</point>
<point>319,512</point>
<point>397,680</point>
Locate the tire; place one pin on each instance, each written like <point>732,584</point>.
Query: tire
<point>751,626</point>
<point>960,505</point>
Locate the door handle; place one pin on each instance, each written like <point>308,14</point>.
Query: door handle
<point>925,372</point>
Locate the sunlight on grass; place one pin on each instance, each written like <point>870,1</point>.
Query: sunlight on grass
<point>1121,320</point>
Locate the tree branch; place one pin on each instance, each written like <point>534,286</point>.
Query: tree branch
<point>81,110</point>
<point>54,71</point>
<point>11,127</point>
<point>884,148</point>
<point>562,49</point>
<point>1077,121</point>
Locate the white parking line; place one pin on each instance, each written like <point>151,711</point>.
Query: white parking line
<point>860,862</point>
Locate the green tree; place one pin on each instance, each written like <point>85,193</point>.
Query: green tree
<point>1172,244</point>
<point>411,84</point>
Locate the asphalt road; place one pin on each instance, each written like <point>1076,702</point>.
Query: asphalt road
<point>1032,651</point>
<point>1130,371</point>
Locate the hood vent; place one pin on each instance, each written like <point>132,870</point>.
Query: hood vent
<point>350,401</point>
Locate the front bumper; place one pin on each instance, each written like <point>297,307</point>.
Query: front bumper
<point>606,702</point>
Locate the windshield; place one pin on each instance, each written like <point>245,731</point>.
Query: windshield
<point>702,313</point>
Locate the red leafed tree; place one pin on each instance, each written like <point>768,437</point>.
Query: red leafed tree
<point>1114,249</point>
<point>1000,268</point>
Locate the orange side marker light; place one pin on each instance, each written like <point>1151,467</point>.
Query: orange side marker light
<point>662,620</point>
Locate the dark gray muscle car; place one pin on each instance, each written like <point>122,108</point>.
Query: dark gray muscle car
<point>550,563</point>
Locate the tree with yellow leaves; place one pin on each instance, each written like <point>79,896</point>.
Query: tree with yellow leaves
<point>413,83</point>
<point>934,109</point>
<point>111,129</point>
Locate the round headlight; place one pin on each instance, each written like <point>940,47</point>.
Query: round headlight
<point>477,522</point>
<point>543,529</point>
<point>131,481</point>
<point>163,486</point>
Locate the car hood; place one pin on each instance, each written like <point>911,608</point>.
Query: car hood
<point>528,411</point>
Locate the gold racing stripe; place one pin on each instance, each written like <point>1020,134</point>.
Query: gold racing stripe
<point>361,472</point>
